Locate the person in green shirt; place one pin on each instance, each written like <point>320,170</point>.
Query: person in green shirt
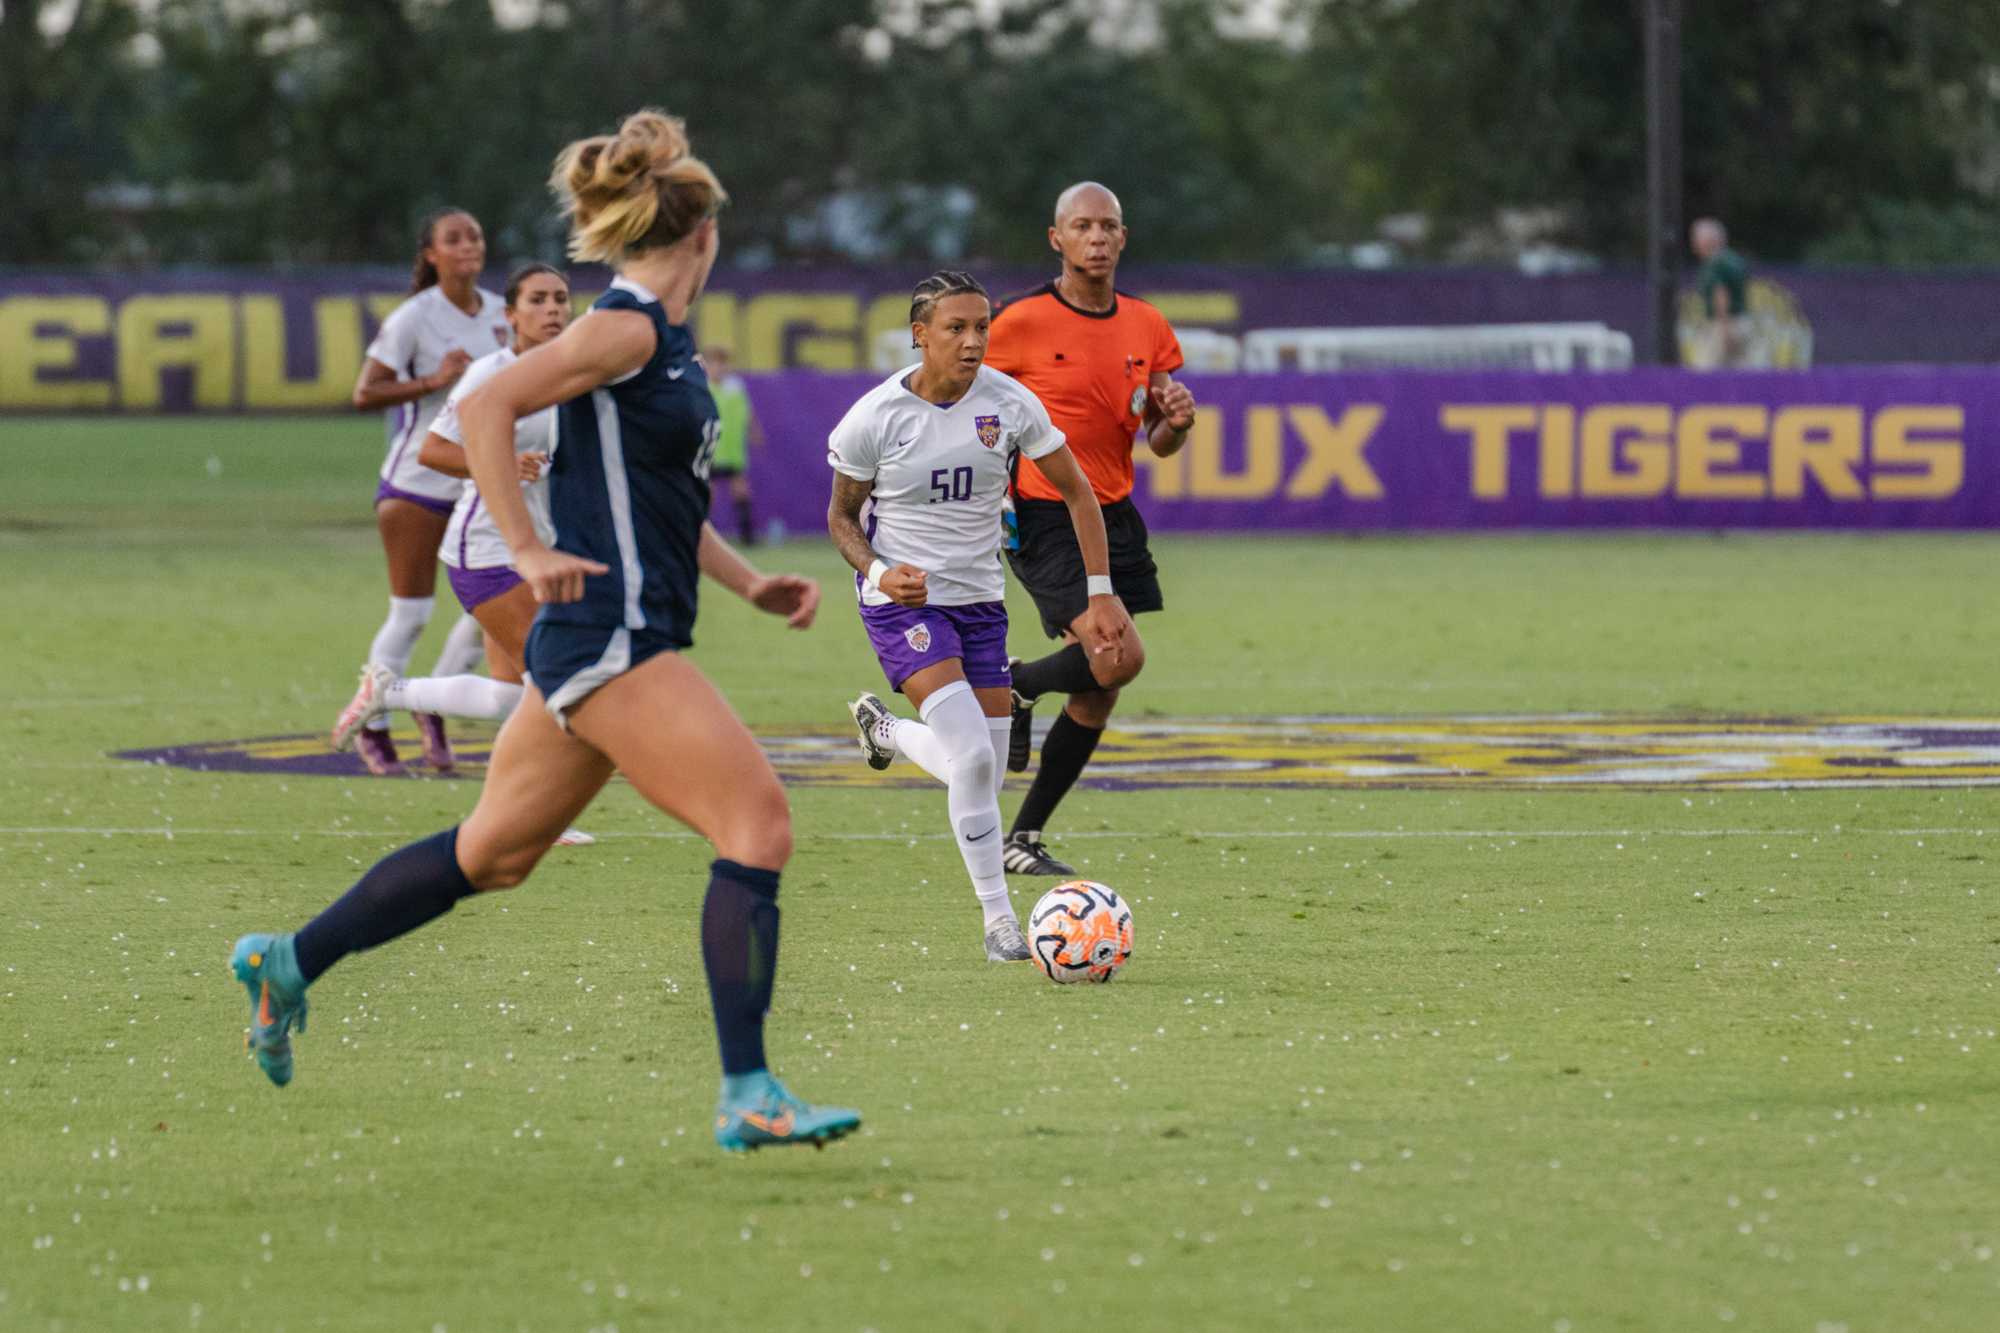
<point>740,432</point>
<point>1724,284</point>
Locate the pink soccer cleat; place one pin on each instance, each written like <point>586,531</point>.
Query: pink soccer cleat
<point>437,747</point>
<point>379,753</point>
<point>369,702</point>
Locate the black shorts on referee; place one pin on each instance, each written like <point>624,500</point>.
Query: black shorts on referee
<point>1049,563</point>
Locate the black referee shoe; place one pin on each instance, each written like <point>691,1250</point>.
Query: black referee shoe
<point>1024,854</point>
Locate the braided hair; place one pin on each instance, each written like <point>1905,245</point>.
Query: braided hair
<point>945,282</point>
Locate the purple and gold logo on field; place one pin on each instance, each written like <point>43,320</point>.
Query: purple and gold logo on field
<point>988,429</point>
<point>1518,753</point>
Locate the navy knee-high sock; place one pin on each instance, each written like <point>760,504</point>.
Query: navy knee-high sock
<point>400,892</point>
<point>1064,671</point>
<point>1065,751</point>
<point>739,947</point>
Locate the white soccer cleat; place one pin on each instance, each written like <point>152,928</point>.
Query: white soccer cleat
<point>877,726</point>
<point>367,704</point>
<point>575,837</point>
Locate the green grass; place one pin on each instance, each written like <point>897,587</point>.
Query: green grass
<point>1623,1060</point>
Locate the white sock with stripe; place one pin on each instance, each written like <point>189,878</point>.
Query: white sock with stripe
<point>454,696</point>
<point>397,639</point>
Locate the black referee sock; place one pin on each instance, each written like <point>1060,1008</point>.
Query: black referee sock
<point>1066,750</point>
<point>739,947</point>
<point>1064,671</point>
<point>400,892</point>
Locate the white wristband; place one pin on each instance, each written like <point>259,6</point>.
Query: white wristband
<point>1097,585</point>
<point>875,573</point>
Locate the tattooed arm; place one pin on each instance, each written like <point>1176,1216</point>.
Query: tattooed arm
<point>903,584</point>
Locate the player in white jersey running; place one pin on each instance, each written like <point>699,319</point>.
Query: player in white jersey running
<point>476,557</point>
<point>419,353</point>
<point>920,466</point>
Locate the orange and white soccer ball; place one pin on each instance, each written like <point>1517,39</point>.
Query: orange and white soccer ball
<point>1080,931</point>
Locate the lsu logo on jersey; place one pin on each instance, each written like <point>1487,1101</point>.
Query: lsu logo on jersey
<point>988,429</point>
<point>919,637</point>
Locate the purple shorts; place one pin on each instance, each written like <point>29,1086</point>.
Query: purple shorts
<point>475,586</point>
<point>387,492</point>
<point>909,638</point>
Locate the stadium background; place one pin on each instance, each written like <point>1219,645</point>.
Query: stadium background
<point>1520,1004</point>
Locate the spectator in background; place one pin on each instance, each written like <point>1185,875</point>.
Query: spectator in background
<point>1723,282</point>
<point>740,430</point>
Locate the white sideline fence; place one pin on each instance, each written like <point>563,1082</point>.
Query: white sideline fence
<point>1552,347</point>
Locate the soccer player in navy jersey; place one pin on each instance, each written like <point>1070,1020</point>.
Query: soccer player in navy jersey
<point>609,688</point>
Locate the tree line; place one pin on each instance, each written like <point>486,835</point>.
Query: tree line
<point>1288,131</point>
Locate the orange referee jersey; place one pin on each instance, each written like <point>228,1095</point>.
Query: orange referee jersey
<point>1091,369</point>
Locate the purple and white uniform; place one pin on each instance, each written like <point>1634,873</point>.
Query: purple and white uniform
<point>940,473</point>
<point>476,556</point>
<point>413,342</point>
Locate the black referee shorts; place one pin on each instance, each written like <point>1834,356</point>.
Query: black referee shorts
<point>1049,564</point>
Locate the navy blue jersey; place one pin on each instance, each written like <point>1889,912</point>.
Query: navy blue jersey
<point>628,483</point>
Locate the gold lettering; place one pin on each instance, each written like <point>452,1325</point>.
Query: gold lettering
<point>24,350</point>
<point>1558,463</point>
<point>336,339</point>
<point>1487,428</point>
<point>1264,455</point>
<point>1709,440</point>
<point>207,348</point>
<point>715,323</point>
<point>1196,307</point>
<point>1942,460</point>
<point>832,322</point>
<point>1334,452</point>
<point>1643,429</point>
<point>1823,440</point>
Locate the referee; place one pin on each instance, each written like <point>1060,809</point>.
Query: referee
<point>1102,363</point>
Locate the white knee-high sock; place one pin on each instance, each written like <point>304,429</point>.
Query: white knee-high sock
<point>397,639</point>
<point>454,696</point>
<point>463,648</point>
<point>1000,730</point>
<point>955,730</point>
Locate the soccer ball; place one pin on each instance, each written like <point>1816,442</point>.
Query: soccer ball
<point>1080,931</point>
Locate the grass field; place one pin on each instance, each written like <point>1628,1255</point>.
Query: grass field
<point>1475,1058</point>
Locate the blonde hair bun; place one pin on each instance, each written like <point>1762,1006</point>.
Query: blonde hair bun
<point>634,190</point>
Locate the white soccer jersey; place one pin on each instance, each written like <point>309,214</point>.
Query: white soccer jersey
<point>413,342</point>
<point>940,474</point>
<point>471,540</point>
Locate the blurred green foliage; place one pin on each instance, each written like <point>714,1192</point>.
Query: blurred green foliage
<point>306,131</point>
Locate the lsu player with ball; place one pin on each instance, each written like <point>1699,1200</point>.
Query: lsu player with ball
<point>920,465</point>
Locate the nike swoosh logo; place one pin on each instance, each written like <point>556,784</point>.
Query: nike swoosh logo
<point>675,372</point>
<point>971,837</point>
<point>776,1128</point>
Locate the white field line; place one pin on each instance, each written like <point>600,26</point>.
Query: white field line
<point>1331,835</point>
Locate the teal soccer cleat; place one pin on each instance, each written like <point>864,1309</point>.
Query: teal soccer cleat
<point>266,967</point>
<point>757,1111</point>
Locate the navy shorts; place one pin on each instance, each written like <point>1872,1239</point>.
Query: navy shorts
<point>568,663</point>
<point>907,639</point>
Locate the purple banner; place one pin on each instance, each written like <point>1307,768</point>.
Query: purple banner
<point>1822,449</point>
<point>248,340</point>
